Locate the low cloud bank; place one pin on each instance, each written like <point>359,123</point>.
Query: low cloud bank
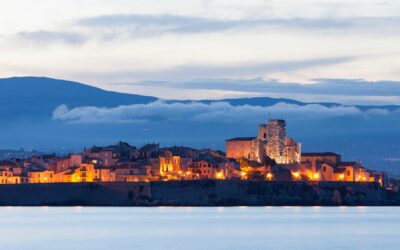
<point>200,112</point>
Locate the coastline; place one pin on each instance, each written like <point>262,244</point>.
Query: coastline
<point>199,193</point>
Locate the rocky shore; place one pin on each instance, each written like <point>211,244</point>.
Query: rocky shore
<point>199,193</point>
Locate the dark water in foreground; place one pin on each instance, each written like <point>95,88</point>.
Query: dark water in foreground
<point>200,228</point>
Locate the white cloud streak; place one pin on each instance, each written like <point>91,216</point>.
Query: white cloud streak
<point>198,112</point>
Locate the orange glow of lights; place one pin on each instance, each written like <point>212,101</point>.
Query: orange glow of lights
<point>220,175</point>
<point>316,176</point>
<point>269,176</point>
<point>296,175</point>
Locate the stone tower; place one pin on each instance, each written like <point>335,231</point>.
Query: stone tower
<point>276,140</point>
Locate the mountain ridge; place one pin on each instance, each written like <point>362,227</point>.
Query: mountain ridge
<point>37,97</point>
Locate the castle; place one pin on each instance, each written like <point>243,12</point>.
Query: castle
<point>271,142</point>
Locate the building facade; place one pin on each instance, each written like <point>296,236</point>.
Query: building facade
<point>271,142</point>
<point>242,147</point>
<point>276,140</point>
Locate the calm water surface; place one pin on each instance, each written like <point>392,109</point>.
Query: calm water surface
<point>200,228</point>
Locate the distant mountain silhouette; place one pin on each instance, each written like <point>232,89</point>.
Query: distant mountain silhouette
<point>252,101</point>
<point>37,97</point>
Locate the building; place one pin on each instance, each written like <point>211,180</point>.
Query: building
<point>66,163</point>
<point>85,172</point>
<point>292,151</point>
<point>328,166</point>
<point>354,171</point>
<point>45,161</point>
<point>242,147</point>
<point>326,172</point>
<point>246,158</point>
<point>8,177</point>
<point>41,176</point>
<point>275,139</point>
<point>271,142</point>
<point>129,173</point>
<point>232,170</point>
<point>316,158</point>
<point>169,165</point>
<point>203,170</point>
<point>149,151</point>
<point>98,155</point>
<point>104,174</point>
<point>153,168</point>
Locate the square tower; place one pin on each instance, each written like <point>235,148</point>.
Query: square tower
<point>276,140</point>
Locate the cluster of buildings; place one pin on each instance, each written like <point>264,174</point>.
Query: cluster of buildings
<point>271,156</point>
<point>271,142</point>
<point>117,163</point>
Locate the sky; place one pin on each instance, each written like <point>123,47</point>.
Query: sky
<point>310,50</point>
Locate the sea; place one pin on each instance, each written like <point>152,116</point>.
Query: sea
<point>206,228</point>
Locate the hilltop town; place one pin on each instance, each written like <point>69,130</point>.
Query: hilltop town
<point>269,156</point>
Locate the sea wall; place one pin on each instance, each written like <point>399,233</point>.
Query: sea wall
<point>197,193</point>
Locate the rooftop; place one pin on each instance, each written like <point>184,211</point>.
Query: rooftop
<point>7,163</point>
<point>339,170</point>
<point>320,154</point>
<point>242,139</point>
<point>348,163</point>
<point>99,149</point>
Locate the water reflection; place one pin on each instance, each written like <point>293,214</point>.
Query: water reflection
<point>200,228</point>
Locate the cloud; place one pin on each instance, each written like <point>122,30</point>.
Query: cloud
<point>190,24</point>
<point>199,112</point>
<point>198,71</point>
<point>319,86</point>
<point>122,26</point>
<point>46,37</point>
<point>184,41</point>
<point>153,25</point>
<point>321,90</point>
<point>130,26</point>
